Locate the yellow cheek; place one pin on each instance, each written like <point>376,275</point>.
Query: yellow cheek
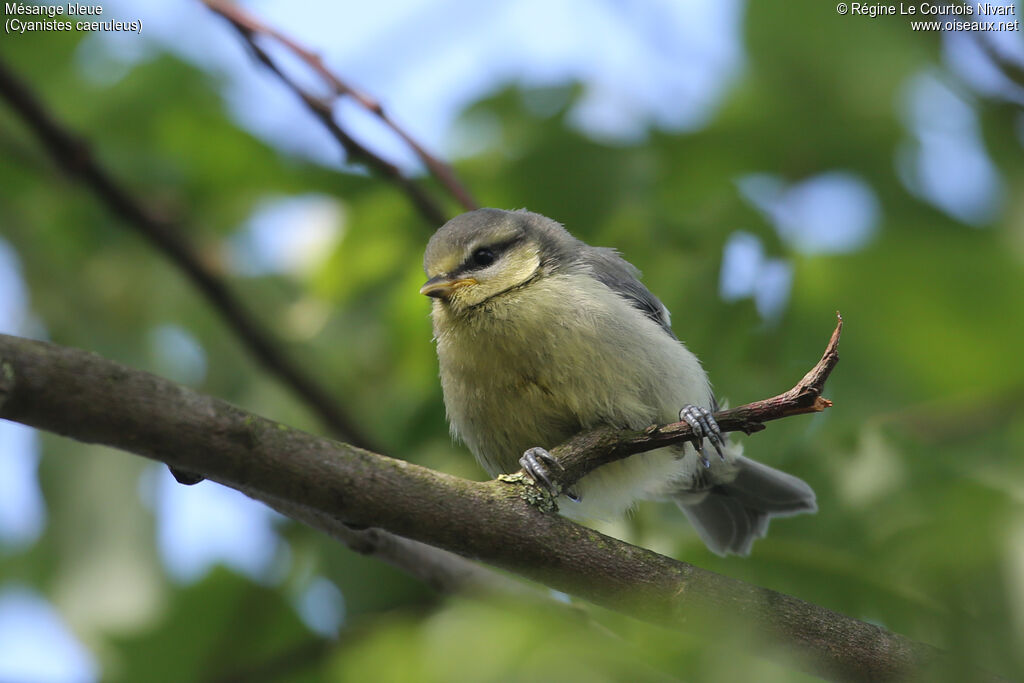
<point>522,265</point>
<point>519,267</point>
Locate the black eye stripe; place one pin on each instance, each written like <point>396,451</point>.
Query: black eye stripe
<point>485,255</point>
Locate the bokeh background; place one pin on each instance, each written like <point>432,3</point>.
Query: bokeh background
<point>765,164</point>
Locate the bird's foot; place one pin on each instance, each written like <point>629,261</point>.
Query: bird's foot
<point>704,427</point>
<point>539,465</point>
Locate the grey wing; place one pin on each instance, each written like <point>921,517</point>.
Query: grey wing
<point>624,279</point>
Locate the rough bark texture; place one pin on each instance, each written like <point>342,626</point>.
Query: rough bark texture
<point>83,396</point>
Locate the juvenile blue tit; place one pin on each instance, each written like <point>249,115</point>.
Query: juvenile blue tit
<point>540,336</point>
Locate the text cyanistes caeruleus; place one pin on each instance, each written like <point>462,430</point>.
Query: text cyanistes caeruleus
<point>540,336</point>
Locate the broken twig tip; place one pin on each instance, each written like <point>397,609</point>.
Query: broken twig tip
<point>839,329</point>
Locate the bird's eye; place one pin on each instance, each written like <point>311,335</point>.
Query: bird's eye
<point>483,257</point>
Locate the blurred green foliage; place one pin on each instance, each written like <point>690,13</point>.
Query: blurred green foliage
<point>918,467</point>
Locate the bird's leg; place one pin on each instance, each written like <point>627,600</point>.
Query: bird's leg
<point>539,464</point>
<point>704,426</point>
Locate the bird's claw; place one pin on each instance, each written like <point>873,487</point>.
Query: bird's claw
<point>704,427</point>
<point>539,464</point>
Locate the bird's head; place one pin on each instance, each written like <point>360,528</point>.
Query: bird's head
<point>484,253</point>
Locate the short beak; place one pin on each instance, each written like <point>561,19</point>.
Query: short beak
<point>442,286</point>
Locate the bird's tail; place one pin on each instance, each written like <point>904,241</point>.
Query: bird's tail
<point>730,517</point>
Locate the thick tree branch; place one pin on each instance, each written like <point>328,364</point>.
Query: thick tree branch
<point>589,450</point>
<point>443,571</point>
<point>85,397</point>
<point>436,567</point>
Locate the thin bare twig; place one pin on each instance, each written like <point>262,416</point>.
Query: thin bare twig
<point>426,206</point>
<point>589,450</point>
<point>249,28</point>
<point>73,155</point>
